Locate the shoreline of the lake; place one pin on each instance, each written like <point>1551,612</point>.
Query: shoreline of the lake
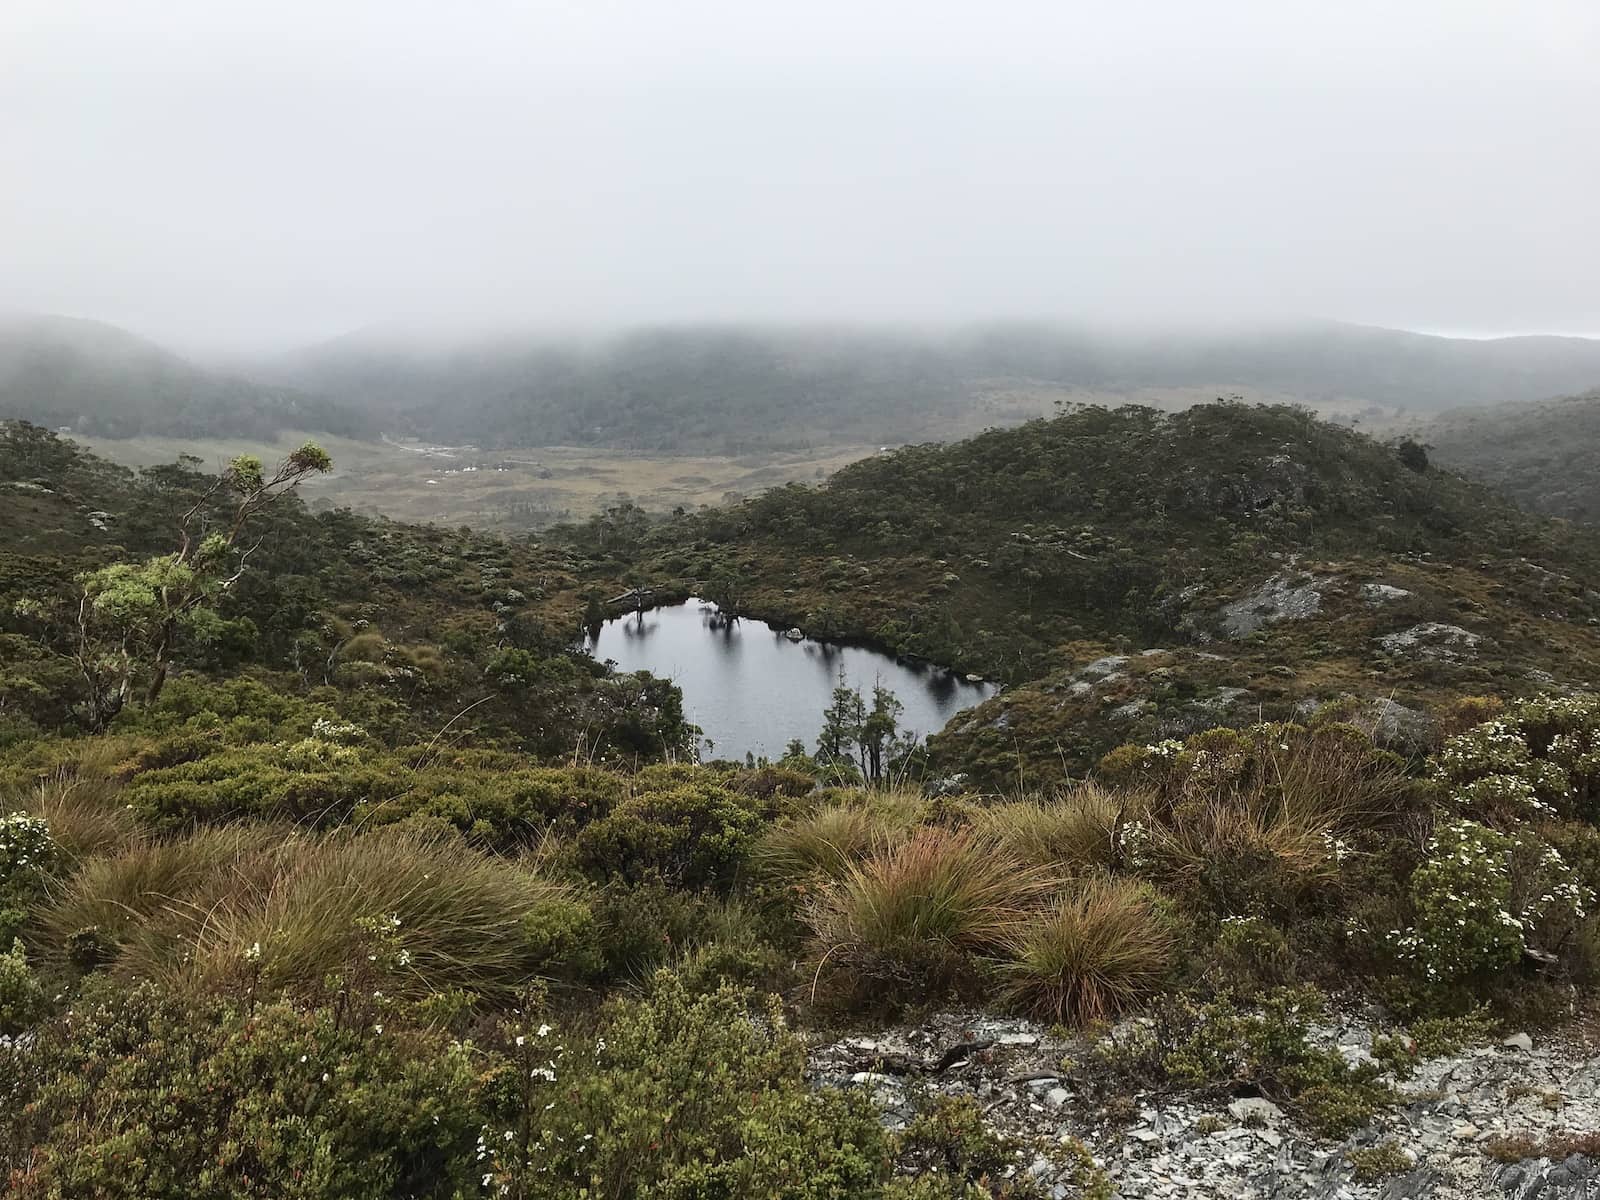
<point>678,598</point>
<point>752,688</point>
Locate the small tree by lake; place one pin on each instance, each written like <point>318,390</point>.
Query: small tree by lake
<point>864,742</point>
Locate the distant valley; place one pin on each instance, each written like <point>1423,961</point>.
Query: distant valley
<point>521,432</point>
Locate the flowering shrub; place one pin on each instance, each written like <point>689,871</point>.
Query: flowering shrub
<point>674,1096</point>
<point>1507,799</point>
<point>319,754</point>
<point>343,733</point>
<point>1538,759</point>
<point>25,851</point>
<point>1579,846</point>
<point>1482,897</point>
<point>21,996</point>
<point>146,1095</point>
<point>1462,895</point>
<point>1493,884</point>
<point>1547,891</point>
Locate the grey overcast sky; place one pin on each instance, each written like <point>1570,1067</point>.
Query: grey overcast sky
<point>235,175</point>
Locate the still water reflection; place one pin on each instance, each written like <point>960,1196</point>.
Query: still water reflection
<point>751,689</point>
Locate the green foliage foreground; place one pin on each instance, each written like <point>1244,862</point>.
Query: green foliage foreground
<point>397,896</point>
<point>437,1007</point>
<point>150,1095</point>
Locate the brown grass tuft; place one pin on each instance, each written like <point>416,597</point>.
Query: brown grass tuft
<point>828,839</point>
<point>917,913</point>
<point>85,813</point>
<point>1092,954</point>
<point>192,909</point>
<point>1239,858</point>
<point>1074,832</point>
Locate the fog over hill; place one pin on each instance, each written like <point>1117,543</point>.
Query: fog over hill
<point>95,378</point>
<point>1541,455</point>
<point>735,389</point>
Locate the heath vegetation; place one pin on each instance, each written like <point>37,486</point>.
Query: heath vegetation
<point>330,868</point>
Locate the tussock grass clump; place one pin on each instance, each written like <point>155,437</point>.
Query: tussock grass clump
<point>828,839</point>
<point>916,913</point>
<point>426,914</point>
<point>1091,954</point>
<point>1335,776</point>
<point>1328,775</point>
<point>1240,859</point>
<point>85,813</point>
<point>116,895</point>
<point>1259,820</point>
<point>1076,831</point>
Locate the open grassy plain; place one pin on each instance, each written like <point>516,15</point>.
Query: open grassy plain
<point>539,486</point>
<point>500,489</point>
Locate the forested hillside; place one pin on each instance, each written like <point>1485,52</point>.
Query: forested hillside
<point>1218,563</point>
<point>742,390</point>
<point>100,380</point>
<point>1541,455</point>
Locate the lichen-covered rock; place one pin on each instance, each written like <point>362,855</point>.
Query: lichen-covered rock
<point>1379,594</point>
<point>1102,668</point>
<point>1396,727</point>
<point>1431,639</point>
<point>1281,598</point>
<point>1435,1144</point>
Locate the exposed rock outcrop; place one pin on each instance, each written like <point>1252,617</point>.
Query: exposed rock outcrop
<point>1457,1118</point>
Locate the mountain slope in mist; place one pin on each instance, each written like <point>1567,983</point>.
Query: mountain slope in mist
<point>734,390</point>
<point>1541,455</point>
<point>105,381</point>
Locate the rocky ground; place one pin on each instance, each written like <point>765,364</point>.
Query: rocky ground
<point>1454,1111</point>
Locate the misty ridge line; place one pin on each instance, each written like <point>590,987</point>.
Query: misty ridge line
<point>732,388</point>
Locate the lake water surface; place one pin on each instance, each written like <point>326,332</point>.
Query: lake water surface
<point>751,690</point>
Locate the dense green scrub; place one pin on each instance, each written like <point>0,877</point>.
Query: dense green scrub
<point>386,892</point>
<point>408,1001</point>
<point>403,626</point>
<point>1277,563</point>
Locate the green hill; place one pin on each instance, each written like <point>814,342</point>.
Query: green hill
<point>1541,455</point>
<point>1135,574</point>
<point>422,621</point>
<point>100,380</point>
<point>743,389</point>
